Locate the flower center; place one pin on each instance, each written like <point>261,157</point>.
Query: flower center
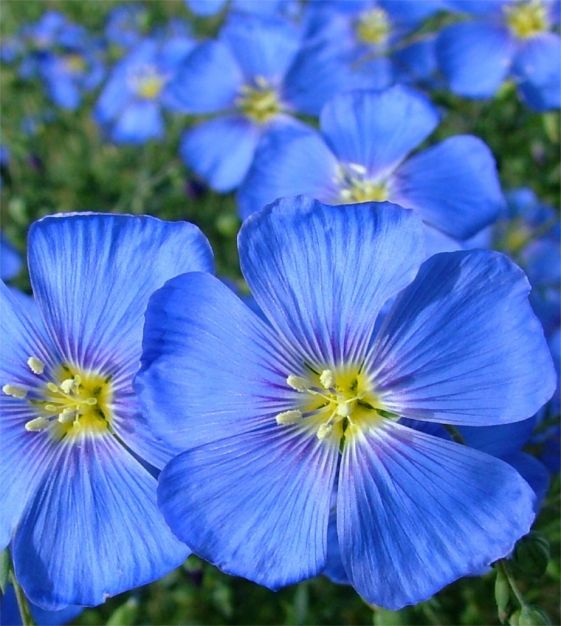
<point>75,63</point>
<point>373,27</point>
<point>70,402</point>
<point>527,19</point>
<point>335,403</point>
<point>259,102</point>
<point>355,186</point>
<point>147,82</point>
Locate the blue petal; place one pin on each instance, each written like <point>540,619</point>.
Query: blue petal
<point>221,151</point>
<point>263,46</point>
<point>334,568</point>
<point>377,129</point>
<point>454,186</point>
<point>92,276</point>
<point>462,345</point>
<point>415,512</point>
<point>321,273</point>
<point>475,57</point>
<point>223,370</point>
<point>24,457</point>
<point>538,69</point>
<point>255,505</point>
<point>139,121</point>
<point>93,530</point>
<point>533,472</point>
<point>208,81</point>
<point>501,440</point>
<point>317,73</point>
<point>288,162</point>
<point>10,259</point>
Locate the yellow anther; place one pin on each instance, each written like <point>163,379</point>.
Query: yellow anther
<point>67,385</point>
<point>66,416</point>
<point>91,401</point>
<point>36,365</point>
<point>260,102</point>
<point>298,383</point>
<point>53,388</point>
<point>327,379</point>
<point>37,424</point>
<point>324,430</point>
<point>14,391</point>
<point>51,408</point>
<point>288,417</point>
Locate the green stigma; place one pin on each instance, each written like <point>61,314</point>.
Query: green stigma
<point>68,403</point>
<point>373,27</point>
<point>336,403</point>
<point>528,19</point>
<point>260,102</point>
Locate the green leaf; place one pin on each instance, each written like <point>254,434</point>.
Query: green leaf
<point>502,595</point>
<point>4,569</point>
<point>533,616</point>
<point>124,615</point>
<point>531,555</point>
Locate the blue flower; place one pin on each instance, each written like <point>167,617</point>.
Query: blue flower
<point>80,507</point>
<point>130,107</point>
<point>254,78</point>
<point>370,32</point>
<point>505,38</point>
<point>275,415</point>
<point>360,156</point>
<point>71,73</point>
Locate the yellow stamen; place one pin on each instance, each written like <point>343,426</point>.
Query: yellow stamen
<point>373,27</point>
<point>527,19</point>
<point>37,424</point>
<point>289,417</point>
<point>260,102</point>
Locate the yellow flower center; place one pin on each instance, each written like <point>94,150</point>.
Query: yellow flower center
<point>259,102</point>
<point>527,19</point>
<point>335,403</point>
<point>147,82</point>
<point>373,27</point>
<point>75,63</point>
<point>355,186</point>
<point>69,403</point>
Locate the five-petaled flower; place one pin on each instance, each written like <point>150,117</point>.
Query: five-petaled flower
<point>279,412</point>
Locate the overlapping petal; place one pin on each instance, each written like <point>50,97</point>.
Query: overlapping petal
<point>80,271</point>
<point>377,130</point>
<point>289,161</point>
<point>321,273</point>
<point>211,368</point>
<point>271,528</point>
<point>93,529</point>
<point>415,512</point>
<point>454,186</point>
<point>461,344</point>
<point>475,57</point>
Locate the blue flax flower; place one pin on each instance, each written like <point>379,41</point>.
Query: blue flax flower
<point>277,414</point>
<point>374,36</point>
<point>79,508</point>
<point>361,156</point>
<point>254,78</point>
<point>130,107</point>
<point>505,38</point>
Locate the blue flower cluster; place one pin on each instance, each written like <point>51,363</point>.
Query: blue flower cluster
<point>364,413</point>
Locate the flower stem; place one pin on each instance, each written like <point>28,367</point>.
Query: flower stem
<point>23,605</point>
<point>505,569</point>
